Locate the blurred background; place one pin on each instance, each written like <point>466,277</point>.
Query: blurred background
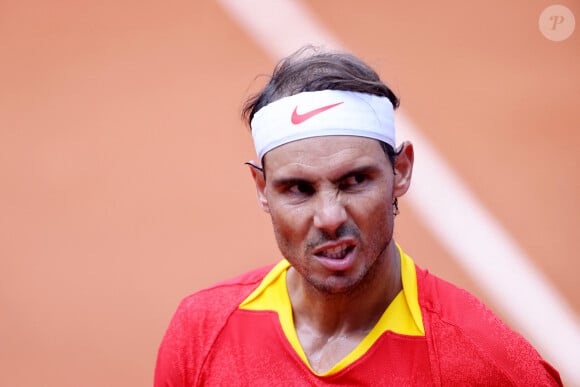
<point>123,187</point>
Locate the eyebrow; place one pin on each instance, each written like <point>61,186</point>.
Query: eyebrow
<point>365,169</point>
<point>286,182</point>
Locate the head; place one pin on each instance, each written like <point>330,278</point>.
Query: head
<point>330,197</point>
<point>311,69</point>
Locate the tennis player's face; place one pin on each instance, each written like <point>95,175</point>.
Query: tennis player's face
<point>330,200</point>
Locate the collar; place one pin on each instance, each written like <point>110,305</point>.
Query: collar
<point>403,316</point>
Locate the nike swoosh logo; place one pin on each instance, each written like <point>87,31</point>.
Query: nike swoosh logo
<point>300,118</point>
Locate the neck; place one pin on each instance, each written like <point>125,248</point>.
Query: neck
<point>353,312</point>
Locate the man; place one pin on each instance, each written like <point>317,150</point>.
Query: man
<point>346,306</point>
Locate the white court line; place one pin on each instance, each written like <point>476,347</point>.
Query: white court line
<point>468,231</point>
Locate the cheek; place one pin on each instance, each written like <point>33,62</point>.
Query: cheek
<point>290,223</point>
<point>373,204</point>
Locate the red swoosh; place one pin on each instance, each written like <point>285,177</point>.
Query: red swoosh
<point>300,118</point>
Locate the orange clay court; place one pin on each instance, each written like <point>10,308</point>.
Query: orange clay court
<point>123,187</point>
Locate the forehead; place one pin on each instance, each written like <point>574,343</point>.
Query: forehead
<point>325,153</point>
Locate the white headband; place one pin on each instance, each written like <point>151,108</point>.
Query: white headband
<point>322,113</point>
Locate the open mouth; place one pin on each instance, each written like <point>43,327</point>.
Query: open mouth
<point>337,252</point>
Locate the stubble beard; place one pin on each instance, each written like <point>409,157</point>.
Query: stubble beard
<point>366,278</point>
<point>333,287</point>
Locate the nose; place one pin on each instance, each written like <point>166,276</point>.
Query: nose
<point>330,213</point>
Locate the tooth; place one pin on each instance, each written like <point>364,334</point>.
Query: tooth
<point>336,252</point>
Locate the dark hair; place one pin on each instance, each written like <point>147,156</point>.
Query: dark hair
<point>311,69</point>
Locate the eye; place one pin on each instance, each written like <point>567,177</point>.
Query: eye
<point>354,181</point>
<point>301,188</point>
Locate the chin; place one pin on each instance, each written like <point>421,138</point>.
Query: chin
<point>336,285</point>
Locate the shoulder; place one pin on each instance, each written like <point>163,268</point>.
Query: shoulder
<point>470,341</point>
<point>207,310</point>
<point>196,324</point>
<point>225,295</point>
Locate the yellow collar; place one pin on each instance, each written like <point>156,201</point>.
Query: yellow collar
<point>402,316</point>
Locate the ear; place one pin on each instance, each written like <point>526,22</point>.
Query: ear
<point>258,176</point>
<point>403,169</point>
